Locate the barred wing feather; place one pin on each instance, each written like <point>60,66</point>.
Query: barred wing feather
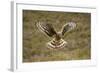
<point>47,28</point>
<point>67,27</point>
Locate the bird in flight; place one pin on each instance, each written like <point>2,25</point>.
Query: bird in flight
<point>57,41</point>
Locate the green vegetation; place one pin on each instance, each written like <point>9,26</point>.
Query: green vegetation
<point>34,42</point>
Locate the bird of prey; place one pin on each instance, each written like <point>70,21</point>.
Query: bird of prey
<point>57,41</point>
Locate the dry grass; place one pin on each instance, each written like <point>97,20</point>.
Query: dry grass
<point>34,42</point>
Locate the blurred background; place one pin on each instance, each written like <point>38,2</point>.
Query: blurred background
<point>34,41</point>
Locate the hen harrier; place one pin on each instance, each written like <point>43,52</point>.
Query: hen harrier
<point>57,41</point>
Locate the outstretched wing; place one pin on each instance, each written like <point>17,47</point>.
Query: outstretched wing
<point>47,28</point>
<point>67,27</point>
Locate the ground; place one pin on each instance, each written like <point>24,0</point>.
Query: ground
<point>34,41</point>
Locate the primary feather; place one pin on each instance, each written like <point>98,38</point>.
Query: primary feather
<point>67,27</point>
<point>47,28</point>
